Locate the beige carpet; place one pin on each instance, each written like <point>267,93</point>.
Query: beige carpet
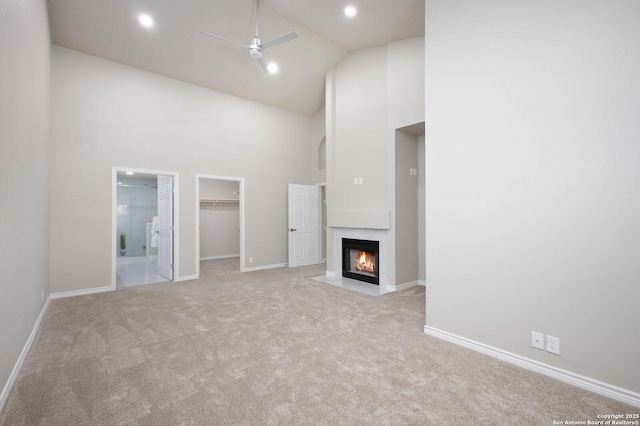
<point>270,347</point>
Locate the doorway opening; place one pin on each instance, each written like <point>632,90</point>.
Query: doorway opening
<point>409,206</point>
<point>143,218</point>
<point>219,220</point>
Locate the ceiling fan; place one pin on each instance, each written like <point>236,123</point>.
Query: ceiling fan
<point>256,47</point>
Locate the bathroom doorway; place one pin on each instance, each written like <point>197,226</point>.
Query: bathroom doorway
<point>143,224</point>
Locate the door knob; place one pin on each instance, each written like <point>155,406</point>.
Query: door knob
<point>292,229</point>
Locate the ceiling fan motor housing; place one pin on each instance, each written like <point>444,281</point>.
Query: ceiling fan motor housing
<point>255,50</point>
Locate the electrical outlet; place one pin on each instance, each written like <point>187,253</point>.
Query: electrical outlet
<point>250,259</point>
<point>553,345</point>
<point>537,340</point>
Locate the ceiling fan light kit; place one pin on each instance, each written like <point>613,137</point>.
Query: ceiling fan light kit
<point>350,11</point>
<point>145,20</point>
<point>256,48</point>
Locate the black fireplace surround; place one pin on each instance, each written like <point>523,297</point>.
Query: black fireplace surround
<point>352,248</point>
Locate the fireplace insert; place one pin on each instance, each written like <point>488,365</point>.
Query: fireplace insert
<point>360,260</point>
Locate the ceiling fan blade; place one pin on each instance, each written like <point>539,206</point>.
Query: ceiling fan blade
<point>224,39</point>
<point>279,40</point>
<point>263,64</point>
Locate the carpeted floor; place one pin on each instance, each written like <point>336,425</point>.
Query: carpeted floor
<point>270,347</point>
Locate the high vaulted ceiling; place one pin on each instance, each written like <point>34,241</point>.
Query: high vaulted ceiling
<point>175,48</point>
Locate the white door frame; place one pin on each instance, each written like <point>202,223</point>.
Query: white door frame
<point>240,181</point>
<point>176,217</point>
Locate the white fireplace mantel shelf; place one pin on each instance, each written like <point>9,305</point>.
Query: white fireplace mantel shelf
<point>359,219</point>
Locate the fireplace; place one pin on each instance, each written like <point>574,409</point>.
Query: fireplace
<point>360,260</point>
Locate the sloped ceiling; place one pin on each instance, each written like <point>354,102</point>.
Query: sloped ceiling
<point>175,48</point>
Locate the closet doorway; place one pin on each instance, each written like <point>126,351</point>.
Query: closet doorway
<point>219,219</point>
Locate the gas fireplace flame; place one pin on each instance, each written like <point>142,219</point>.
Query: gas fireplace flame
<point>364,263</point>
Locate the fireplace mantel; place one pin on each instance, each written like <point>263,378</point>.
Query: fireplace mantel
<point>359,219</point>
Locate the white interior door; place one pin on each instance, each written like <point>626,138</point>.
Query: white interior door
<point>305,225</point>
<point>165,226</point>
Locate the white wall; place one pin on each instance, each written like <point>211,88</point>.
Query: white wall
<point>533,179</point>
<point>24,164</point>
<point>219,222</point>
<point>106,114</point>
<point>370,94</point>
<point>319,146</point>
<point>405,98</point>
<point>405,83</point>
<point>421,209</point>
<point>359,139</point>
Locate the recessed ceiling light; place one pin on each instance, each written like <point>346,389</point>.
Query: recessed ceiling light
<point>350,11</point>
<point>129,173</point>
<point>272,68</point>
<point>145,20</point>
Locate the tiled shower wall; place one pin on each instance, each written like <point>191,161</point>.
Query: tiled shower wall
<point>137,204</point>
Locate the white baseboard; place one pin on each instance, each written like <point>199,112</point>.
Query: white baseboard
<point>260,268</point>
<point>225,256</point>
<point>405,285</point>
<point>25,350</point>
<point>604,389</point>
<point>83,292</point>
<point>186,278</point>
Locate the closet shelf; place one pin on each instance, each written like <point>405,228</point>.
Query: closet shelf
<point>221,200</point>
